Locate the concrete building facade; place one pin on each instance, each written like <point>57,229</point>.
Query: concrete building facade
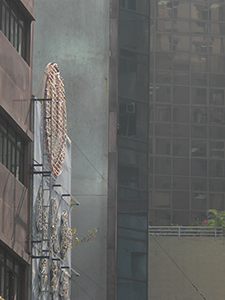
<point>15,144</point>
<point>75,35</point>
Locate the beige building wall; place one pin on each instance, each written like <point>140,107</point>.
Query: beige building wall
<point>178,263</point>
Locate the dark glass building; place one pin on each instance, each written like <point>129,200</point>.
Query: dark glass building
<point>133,149</point>
<point>188,116</point>
<point>171,162</point>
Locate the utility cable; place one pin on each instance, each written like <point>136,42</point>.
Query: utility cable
<point>81,272</point>
<point>91,164</point>
<point>81,288</point>
<point>173,261</point>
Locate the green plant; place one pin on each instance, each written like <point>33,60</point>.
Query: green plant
<point>76,238</point>
<point>215,218</point>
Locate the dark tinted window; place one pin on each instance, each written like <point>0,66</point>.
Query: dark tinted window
<point>14,25</point>
<point>11,150</point>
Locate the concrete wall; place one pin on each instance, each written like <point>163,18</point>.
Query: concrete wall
<point>14,213</point>
<point>15,84</point>
<point>75,35</point>
<point>201,259</point>
<point>15,88</point>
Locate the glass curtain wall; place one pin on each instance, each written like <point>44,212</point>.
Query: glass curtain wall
<point>133,149</point>
<point>187,171</point>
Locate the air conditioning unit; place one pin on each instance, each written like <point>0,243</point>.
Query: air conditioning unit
<point>130,108</point>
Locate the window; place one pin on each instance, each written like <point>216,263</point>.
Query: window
<point>198,201</point>
<point>199,11</point>
<point>14,25</point>
<point>128,4</point>
<point>216,168</point>
<point>162,129</point>
<point>180,147</point>
<point>127,119</point>
<point>199,167</point>
<point>162,217</point>
<point>10,277</point>
<point>217,185</point>
<point>181,61</point>
<point>216,116</point>
<point>180,114</point>
<point>162,199</point>
<point>128,176</point>
<point>217,97</point>
<point>11,150</point>
<point>163,94</point>
<point>181,166</point>
<point>199,115</point>
<point>163,113</point>
<point>216,201</point>
<point>163,182</point>
<point>199,96</point>
<point>198,148</point>
<point>198,184</point>
<point>181,95</point>
<point>162,146</point>
<point>180,218</point>
<point>180,130</point>
<point>163,165</point>
<point>180,200</point>
<point>216,149</point>
<point>180,183</point>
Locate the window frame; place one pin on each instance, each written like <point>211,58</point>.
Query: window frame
<point>12,149</point>
<point>15,278</point>
<point>18,28</point>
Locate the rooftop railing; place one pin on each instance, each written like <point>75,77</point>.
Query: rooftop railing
<point>185,231</point>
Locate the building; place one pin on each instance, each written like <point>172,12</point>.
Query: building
<point>133,149</point>
<point>145,95</point>
<point>15,146</point>
<point>187,101</point>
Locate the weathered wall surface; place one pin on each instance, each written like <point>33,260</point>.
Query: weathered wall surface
<point>15,84</point>
<point>14,209</point>
<point>74,34</point>
<point>15,87</point>
<point>201,259</point>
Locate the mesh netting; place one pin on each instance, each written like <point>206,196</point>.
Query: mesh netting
<point>55,125</point>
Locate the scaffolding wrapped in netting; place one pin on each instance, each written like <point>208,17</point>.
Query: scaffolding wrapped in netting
<point>55,126</point>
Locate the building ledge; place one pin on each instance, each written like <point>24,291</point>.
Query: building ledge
<point>10,116</point>
<point>28,9</point>
<point>15,247</point>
